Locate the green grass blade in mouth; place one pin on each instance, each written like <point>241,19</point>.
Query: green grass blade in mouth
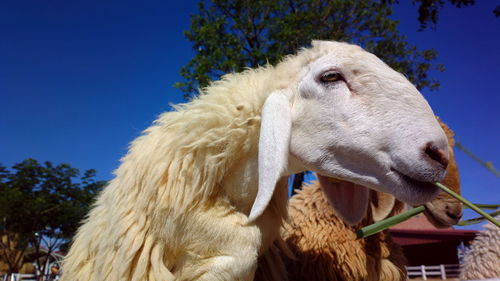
<point>384,224</point>
<point>486,206</point>
<point>477,220</point>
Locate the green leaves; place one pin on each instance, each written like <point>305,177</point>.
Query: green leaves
<point>42,202</point>
<point>230,35</point>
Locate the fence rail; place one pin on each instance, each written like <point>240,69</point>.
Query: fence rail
<point>26,277</point>
<point>18,277</point>
<point>442,271</point>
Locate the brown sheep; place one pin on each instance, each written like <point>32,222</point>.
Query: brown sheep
<point>325,247</point>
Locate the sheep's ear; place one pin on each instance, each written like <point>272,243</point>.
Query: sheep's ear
<point>381,205</point>
<point>274,142</point>
<point>349,200</point>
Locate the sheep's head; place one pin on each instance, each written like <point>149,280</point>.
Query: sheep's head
<point>350,116</point>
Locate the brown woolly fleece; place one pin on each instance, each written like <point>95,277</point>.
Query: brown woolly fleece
<point>326,248</point>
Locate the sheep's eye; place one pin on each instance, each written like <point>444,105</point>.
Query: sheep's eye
<point>330,76</point>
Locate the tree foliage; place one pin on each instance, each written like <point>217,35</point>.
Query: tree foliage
<point>230,35</point>
<point>41,206</point>
<point>428,10</point>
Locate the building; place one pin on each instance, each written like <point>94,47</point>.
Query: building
<point>424,244</point>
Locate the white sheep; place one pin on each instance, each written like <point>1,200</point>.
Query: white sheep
<point>203,191</point>
<point>482,260</point>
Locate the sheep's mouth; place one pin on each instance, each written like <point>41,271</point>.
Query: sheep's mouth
<point>424,186</point>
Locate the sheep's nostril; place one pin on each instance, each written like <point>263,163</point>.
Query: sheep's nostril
<point>436,154</point>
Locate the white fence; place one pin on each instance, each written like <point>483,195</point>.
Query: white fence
<point>18,277</point>
<point>26,277</point>
<point>442,271</point>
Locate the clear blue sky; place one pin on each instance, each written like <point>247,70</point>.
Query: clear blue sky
<point>80,79</point>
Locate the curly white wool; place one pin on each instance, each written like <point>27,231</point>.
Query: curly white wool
<point>482,260</point>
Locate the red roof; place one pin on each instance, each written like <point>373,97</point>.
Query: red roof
<point>418,230</point>
<point>428,236</point>
<point>419,221</point>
